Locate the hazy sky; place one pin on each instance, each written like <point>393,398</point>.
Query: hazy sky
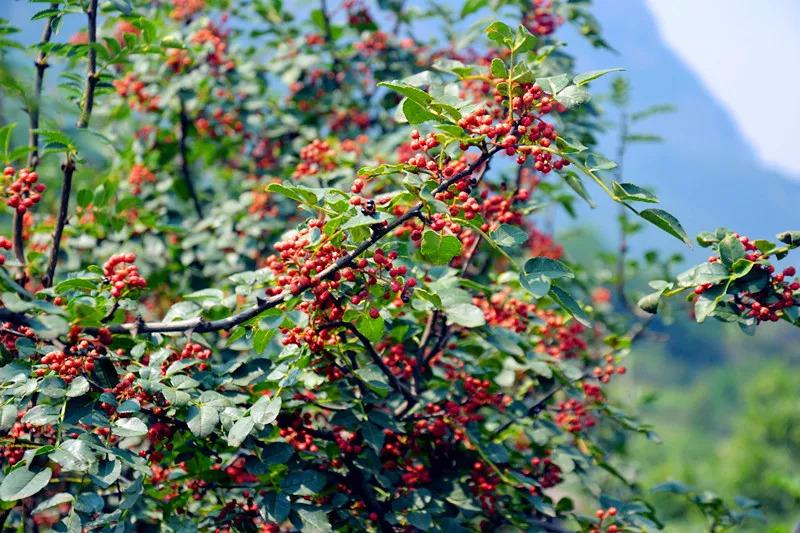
<point>748,55</point>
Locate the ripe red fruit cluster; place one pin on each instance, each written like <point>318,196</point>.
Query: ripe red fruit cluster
<point>777,294</point>
<point>135,91</point>
<point>297,433</point>
<point>122,274</point>
<point>24,192</point>
<point>604,373</point>
<point>73,360</point>
<point>11,333</point>
<point>316,157</point>
<point>542,20</point>
<point>605,521</point>
<point>573,416</point>
<point>140,174</point>
<point>5,244</point>
<point>215,38</point>
<point>26,432</point>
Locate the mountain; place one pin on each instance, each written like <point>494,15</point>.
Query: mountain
<point>705,173</point>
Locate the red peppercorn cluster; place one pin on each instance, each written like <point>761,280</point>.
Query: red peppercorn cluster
<point>26,432</point>
<point>399,362</point>
<point>215,39</point>
<point>573,416</point>
<point>542,20</point>
<point>186,9</point>
<point>76,359</point>
<point>24,192</point>
<point>545,471</point>
<point>483,483</point>
<point>135,90</point>
<point>372,43</point>
<point>297,432</point>
<point>347,441</point>
<point>316,157</point>
<point>606,522</point>
<point>605,372</point>
<point>5,244</point>
<point>122,274</point>
<point>11,333</point>
<point>244,515</point>
<point>140,174</point>
<point>767,304</point>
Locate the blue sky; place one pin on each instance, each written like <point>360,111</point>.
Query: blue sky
<point>748,55</point>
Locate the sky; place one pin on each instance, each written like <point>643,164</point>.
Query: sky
<point>748,55</point>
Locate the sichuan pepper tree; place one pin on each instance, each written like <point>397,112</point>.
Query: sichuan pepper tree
<point>284,272</point>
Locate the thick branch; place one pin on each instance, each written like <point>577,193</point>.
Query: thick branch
<point>201,325</point>
<point>61,221</point>
<point>184,156</point>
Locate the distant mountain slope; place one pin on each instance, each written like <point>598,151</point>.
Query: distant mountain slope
<point>705,173</point>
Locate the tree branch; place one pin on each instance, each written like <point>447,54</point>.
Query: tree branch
<point>375,356</point>
<point>87,102</point>
<point>184,156</point>
<point>63,213</point>
<point>34,105</point>
<point>201,325</point>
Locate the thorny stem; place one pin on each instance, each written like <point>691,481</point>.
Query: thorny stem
<point>184,157</point>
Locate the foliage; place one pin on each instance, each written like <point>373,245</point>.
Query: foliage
<point>268,303</point>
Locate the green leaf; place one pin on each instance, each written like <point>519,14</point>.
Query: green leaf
<point>23,483</point>
<point>5,141</point>
<point>586,77</point>
<point>538,272</point>
<point>573,96</point>
<point>465,314</point>
<point>553,84</point>
<point>240,430</point>
<point>439,249</point>
<point>524,40</point>
<point>416,113</point>
<point>371,328</point>
<point>374,378</point>
<point>731,250</point>
<point>261,339</point>
<point>266,410</point>
<point>633,193</point>
<point>471,6</point>
<point>706,303</point>
<point>499,69</point>
<point>666,222</point>
<point>414,94</point>
<point>500,33</point>
<point>509,236</point>
<point>315,521</point>
<point>129,427</point>
<point>596,162</point>
<point>202,420</point>
<point>702,274</point>
<point>569,304</point>
<point>53,501</point>
<point>576,184</point>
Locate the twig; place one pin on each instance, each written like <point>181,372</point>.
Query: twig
<point>375,356</point>
<point>184,157</point>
